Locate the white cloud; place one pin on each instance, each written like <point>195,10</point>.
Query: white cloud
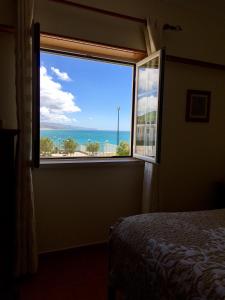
<point>147,104</point>
<point>55,103</point>
<point>148,79</point>
<point>61,75</point>
<point>51,117</point>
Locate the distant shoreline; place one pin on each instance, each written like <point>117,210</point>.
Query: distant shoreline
<point>77,129</point>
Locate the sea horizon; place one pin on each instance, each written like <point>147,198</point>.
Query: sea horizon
<point>82,129</point>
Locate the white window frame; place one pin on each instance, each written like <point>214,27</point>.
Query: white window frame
<point>89,158</point>
<point>161,55</point>
<point>127,57</point>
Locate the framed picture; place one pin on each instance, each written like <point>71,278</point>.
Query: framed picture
<point>198,106</point>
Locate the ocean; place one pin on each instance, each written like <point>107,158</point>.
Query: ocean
<point>85,136</point>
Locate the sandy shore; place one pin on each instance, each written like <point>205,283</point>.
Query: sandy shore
<point>75,154</point>
<point>79,154</point>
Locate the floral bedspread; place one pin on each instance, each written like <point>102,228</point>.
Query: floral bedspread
<point>169,256</point>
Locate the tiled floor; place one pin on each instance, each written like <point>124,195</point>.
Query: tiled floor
<point>79,274</point>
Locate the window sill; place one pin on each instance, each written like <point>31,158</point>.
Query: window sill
<point>55,163</point>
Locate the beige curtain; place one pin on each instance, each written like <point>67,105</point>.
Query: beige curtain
<point>150,195</point>
<point>154,35</point>
<point>26,254</point>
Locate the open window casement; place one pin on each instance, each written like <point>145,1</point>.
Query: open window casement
<point>148,107</point>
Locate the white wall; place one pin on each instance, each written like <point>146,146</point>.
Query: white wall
<point>8,12</point>
<point>7,81</point>
<point>76,205</point>
<point>7,63</point>
<point>203,25</point>
<point>87,25</point>
<point>192,153</point>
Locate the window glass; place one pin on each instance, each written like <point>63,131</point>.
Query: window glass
<point>147,108</point>
<point>85,107</point>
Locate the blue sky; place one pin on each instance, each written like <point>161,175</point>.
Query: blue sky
<point>85,93</point>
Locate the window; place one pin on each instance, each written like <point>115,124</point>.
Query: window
<point>148,107</point>
<point>85,107</point>
<point>94,101</point>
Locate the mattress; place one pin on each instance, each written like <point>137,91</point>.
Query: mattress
<point>169,256</point>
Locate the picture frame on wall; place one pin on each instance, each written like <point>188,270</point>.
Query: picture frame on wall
<point>198,106</point>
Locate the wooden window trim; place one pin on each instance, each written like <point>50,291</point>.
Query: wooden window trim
<point>90,49</point>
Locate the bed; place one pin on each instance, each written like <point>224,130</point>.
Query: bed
<point>168,256</point>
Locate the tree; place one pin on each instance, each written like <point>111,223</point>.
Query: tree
<point>93,147</point>
<point>46,145</point>
<point>56,149</point>
<point>123,149</point>
<point>69,146</point>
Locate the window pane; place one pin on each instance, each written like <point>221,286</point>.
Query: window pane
<point>85,107</point>
<point>147,107</point>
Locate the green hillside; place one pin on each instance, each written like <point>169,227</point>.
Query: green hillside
<point>150,118</point>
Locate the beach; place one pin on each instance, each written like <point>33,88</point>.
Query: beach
<point>106,140</point>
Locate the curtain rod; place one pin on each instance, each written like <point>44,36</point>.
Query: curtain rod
<point>101,11</point>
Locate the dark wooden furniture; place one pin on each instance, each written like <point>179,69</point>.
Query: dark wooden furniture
<point>7,210</point>
<point>219,195</point>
